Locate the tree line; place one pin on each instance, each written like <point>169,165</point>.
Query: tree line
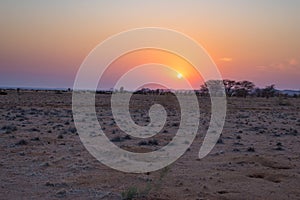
<point>232,89</point>
<point>242,89</point>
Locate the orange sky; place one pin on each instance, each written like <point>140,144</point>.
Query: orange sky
<point>43,43</point>
<point>153,56</point>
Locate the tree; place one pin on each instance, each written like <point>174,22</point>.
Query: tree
<point>121,89</point>
<point>203,90</point>
<point>257,92</point>
<point>229,86</point>
<point>243,88</point>
<point>269,91</point>
<point>215,87</point>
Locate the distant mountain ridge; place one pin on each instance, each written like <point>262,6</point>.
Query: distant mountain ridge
<point>290,92</point>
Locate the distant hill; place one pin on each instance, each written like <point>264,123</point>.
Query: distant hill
<point>290,92</point>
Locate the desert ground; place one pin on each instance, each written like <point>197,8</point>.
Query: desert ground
<point>42,157</point>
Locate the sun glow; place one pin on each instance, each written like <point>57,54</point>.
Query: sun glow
<point>179,76</point>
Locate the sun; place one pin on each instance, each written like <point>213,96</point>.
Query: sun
<point>179,76</point>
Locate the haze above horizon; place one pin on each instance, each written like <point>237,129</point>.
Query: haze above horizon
<point>43,43</point>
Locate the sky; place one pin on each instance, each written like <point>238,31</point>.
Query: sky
<point>43,43</point>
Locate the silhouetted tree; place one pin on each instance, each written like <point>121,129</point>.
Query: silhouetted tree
<point>229,86</point>
<point>269,91</point>
<point>121,89</point>
<point>213,87</point>
<point>257,92</point>
<point>243,88</point>
<point>203,90</point>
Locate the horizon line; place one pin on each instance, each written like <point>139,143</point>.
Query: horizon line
<point>108,90</point>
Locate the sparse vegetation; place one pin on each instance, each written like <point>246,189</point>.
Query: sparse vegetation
<point>58,92</point>
<point>143,142</point>
<point>34,124</point>
<point>149,142</point>
<point>116,139</point>
<point>130,193</point>
<point>133,192</point>
<point>283,102</point>
<point>244,89</point>
<point>60,136</point>
<point>251,149</point>
<point>9,128</point>
<point>220,141</point>
<point>127,137</point>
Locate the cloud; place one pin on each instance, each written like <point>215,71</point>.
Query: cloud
<point>293,61</point>
<point>288,65</point>
<point>225,59</point>
<point>262,67</point>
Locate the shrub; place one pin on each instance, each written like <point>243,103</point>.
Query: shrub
<point>153,142</point>
<point>116,139</point>
<point>282,102</point>
<point>130,193</point>
<point>251,149</point>
<point>150,142</point>
<point>127,137</point>
<point>143,142</point>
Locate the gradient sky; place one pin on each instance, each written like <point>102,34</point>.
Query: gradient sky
<point>43,43</point>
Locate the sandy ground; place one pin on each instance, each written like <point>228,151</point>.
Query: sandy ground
<point>42,157</point>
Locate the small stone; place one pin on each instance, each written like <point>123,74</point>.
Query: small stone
<point>22,142</point>
<point>35,139</point>
<point>61,193</point>
<point>251,149</point>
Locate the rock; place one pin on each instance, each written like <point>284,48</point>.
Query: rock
<point>22,142</point>
<point>61,193</point>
